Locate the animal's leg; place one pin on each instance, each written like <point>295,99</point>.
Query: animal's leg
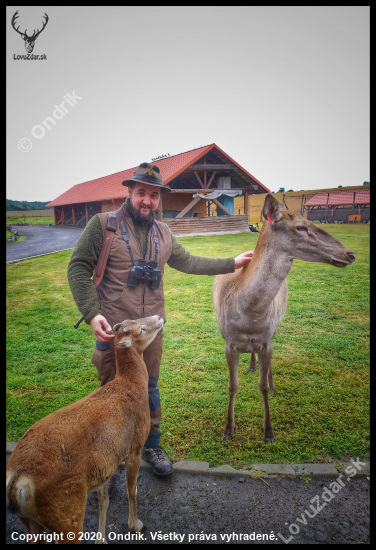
<point>232,358</point>
<point>132,465</point>
<point>34,528</point>
<point>253,364</point>
<point>103,502</point>
<point>270,379</point>
<point>265,359</point>
<point>64,513</point>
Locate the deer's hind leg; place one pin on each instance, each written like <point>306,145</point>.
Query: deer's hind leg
<point>132,466</point>
<point>34,528</point>
<point>253,363</point>
<point>232,358</point>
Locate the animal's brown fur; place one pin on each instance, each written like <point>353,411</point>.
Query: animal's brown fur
<point>251,302</point>
<point>78,448</point>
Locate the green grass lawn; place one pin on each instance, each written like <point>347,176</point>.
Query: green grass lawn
<point>31,220</point>
<point>320,409</point>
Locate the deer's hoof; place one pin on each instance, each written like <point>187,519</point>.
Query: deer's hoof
<point>251,368</point>
<point>226,437</point>
<point>137,527</point>
<point>269,439</point>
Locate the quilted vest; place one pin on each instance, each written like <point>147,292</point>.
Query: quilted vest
<point>118,301</point>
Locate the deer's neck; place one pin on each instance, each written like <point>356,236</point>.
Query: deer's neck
<point>130,364</point>
<point>262,278</point>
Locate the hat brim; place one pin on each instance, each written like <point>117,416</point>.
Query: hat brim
<point>163,188</point>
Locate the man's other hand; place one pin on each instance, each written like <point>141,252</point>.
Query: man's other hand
<point>243,259</point>
<point>96,324</point>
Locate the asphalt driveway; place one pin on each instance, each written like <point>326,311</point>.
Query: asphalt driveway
<point>41,240</point>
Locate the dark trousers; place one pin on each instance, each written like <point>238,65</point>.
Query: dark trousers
<point>104,360</point>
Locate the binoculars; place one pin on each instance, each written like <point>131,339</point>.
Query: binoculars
<point>145,272</point>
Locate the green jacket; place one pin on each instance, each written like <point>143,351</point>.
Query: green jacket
<point>88,248</point>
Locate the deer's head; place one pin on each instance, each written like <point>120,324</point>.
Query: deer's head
<point>301,239</point>
<point>137,333</point>
<point>29,40</point>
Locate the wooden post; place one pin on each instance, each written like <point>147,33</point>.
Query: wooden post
<point>217,203</point>
<point>55,216</point>
<point>326,207</point>
<point>159,209</point>
<point>73,218</point>
<point>199,179</point>
<point>62,215</point>
<point>87,212</point>
<point>188,207</point>
<point>246,195</point>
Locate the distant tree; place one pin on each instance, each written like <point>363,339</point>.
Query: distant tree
<point>281,190</point>
<point>340,186</point>
<point>366,183</point>
<point>288,191</point>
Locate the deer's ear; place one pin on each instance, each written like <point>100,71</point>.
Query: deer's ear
<point>272,209</point>
<point>125,342</point>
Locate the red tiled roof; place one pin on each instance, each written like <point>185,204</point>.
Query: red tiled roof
<point>110,187</point>
<point>339,198</point>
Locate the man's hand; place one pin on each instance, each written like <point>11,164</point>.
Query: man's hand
<point>96,324</point>
<point>243,259</point>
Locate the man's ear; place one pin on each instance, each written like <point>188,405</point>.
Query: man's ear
<point>272,209</point>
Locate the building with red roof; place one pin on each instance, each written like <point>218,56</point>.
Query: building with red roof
<point>339,206</point>
<point>202,170</point>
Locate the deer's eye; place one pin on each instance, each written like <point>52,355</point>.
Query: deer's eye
<point>302,228</point>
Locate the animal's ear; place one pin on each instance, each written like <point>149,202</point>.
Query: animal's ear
<point>272,209</point>
<point>116,327</point>
<point>109,331</point>
<point>125,342</point>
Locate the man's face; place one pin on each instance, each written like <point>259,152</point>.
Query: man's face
<point>145,199</point>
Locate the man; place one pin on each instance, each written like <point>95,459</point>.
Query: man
<point>124,295</point>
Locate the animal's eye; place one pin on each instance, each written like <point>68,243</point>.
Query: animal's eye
<point>302,228</point>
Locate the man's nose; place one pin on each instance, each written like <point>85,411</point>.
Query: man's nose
<point>146,200</point>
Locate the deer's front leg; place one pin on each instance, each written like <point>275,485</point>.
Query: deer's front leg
<point>132,465</point>
<point>265,364</point>
<point>103,501</point>
<point>232,358</point>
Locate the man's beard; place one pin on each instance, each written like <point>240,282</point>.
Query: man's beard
<point>147,218</point>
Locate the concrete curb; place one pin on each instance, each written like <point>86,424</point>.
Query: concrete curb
<point>314,471</point>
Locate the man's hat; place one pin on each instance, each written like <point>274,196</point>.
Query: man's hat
<point>150,174</point>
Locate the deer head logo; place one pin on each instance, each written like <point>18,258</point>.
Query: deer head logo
<point>29,40</point>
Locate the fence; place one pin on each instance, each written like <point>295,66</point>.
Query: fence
<point>29,213</point>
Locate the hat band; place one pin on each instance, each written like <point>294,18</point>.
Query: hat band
<point>153,181</point>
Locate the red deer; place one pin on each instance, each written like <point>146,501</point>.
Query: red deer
<point>78,448</point>
<point>251,302</point>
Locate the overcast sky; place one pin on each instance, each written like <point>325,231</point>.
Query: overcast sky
<point>283,90</point>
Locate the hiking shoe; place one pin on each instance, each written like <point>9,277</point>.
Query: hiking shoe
<point>159,461</point>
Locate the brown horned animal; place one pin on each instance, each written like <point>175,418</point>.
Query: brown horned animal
<point>251,302</point>
<point>77,449</point>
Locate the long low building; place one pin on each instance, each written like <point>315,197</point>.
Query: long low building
<point>199,179</point>
<point>339,206</point>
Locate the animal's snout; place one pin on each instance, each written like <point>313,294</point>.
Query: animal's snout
<point>351,257</point>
